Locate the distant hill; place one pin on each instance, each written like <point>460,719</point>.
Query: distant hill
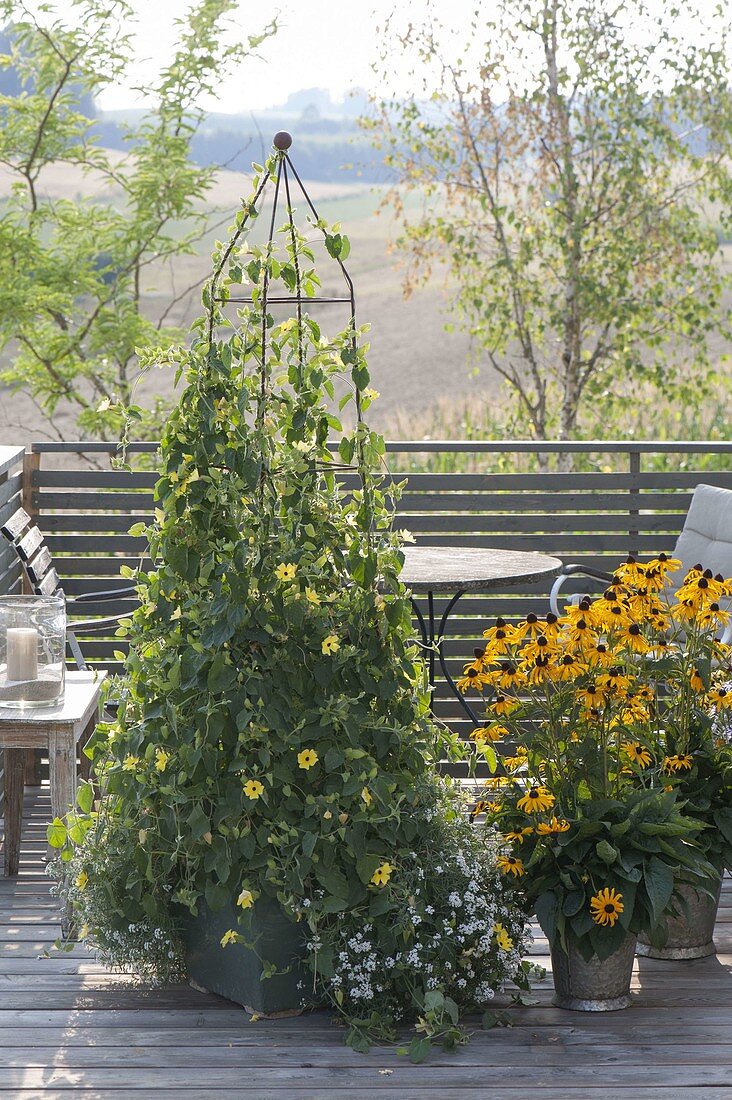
<point>330,145</point>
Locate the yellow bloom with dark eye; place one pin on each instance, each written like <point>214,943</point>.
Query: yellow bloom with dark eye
<point>568,667</point>
<point>492,807</point>
<point>382,874</point>
<point>678,763</point>
<point>130,763</point>
<point>330,645</point>
<point>536,800</point>
<point>513,763</point>
<point>286,571</point>
<point>615,680</point>
<point>480,807</point>
<point>253,789</point>
<point>502,938</point>
<point>539,646</point>
<point>312,596</point>
<point>592,695</point>
<point>695,681</point>
<point>517,836</point>
<point>553,827</point>
<point>507,675</point>
<point>511,865</point>
<point>720,698</point>
<point>473,678</point>
<point>81,880</point>
<point>606,906</point>
<point>637,753</point>
<point>503,704</point>
<point>307,759</point>
<point>500,638</point>
<point>598,654</point>
<point>634,639</point>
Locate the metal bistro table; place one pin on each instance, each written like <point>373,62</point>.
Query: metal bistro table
<point>462,569</point>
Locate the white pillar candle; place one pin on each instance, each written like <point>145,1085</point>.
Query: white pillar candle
<point>22,643</point>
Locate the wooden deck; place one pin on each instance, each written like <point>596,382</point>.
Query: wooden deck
<point>69,1026</point>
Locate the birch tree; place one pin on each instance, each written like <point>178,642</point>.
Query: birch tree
<point>571,162</point>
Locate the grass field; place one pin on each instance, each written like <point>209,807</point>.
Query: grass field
<point>413,361</point>
<point>425,375</point>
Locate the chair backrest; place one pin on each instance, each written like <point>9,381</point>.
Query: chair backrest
<point>35,557</point>
<point>707,535</point>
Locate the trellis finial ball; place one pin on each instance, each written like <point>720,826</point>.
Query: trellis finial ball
<point>282,140</point>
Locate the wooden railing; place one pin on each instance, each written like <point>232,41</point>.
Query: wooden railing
<point>616,501</point>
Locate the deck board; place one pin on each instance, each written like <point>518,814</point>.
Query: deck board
<point>69,1026</point>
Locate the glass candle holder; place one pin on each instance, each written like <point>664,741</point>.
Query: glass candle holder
<point>32,651</point>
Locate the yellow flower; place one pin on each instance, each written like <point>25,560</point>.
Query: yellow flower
<point>286,571</point>
<point>366,796</point>
<point>515,837</point>
<point>312,596</point>
<point>510,865</point>
<point>502,937</point>
<point>678,763</point>
<point>496,733</point>
<point>81,879</point>
<point>695,681</point>
<point>161,759</point>
<point>551,828</point>
<point>330,645</point>
<point>606,906</point>
<point>307,758</point>
<point>253,789</point>
<point>245,899</point>
<point>130,763</point>
<point>503,704</point>
<point>327,815</point>
<point>720,697</point>
<point>638,753</point>
<point>382,874</point>
<point>536,800</point>
<point>230,937</point>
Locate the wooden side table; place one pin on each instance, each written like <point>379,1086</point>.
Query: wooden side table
<point>58,729</point>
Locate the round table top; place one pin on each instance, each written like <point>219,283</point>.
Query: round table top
<point>472,569</point>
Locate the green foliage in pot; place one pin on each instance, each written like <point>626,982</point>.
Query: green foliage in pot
<point>274,736</point>
<point>609,704</point>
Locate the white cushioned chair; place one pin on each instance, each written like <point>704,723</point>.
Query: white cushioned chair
<point>706,539</point>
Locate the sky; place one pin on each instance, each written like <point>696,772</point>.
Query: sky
<point>329,44</point>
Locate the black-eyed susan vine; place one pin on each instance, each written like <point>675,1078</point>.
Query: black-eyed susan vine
<point>621,783</point>
<point>273,737</point>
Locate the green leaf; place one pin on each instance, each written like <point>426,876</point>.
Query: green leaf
<point>606,852</point>
<point>85,797</point>
<point>56,833</point>
<point>659,883</point>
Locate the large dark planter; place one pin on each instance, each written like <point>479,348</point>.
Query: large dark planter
<point>690,935</point>
<point>235,971</point>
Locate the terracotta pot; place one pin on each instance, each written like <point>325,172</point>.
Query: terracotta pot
<point>689,937</point>
<point>594,985</point>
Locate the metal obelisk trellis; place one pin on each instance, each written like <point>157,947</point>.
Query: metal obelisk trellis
<point>282,142</point>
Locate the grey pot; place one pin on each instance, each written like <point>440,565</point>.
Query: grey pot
<point>597,985</point>
<point>235,971</point>
<point>689,937</point>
